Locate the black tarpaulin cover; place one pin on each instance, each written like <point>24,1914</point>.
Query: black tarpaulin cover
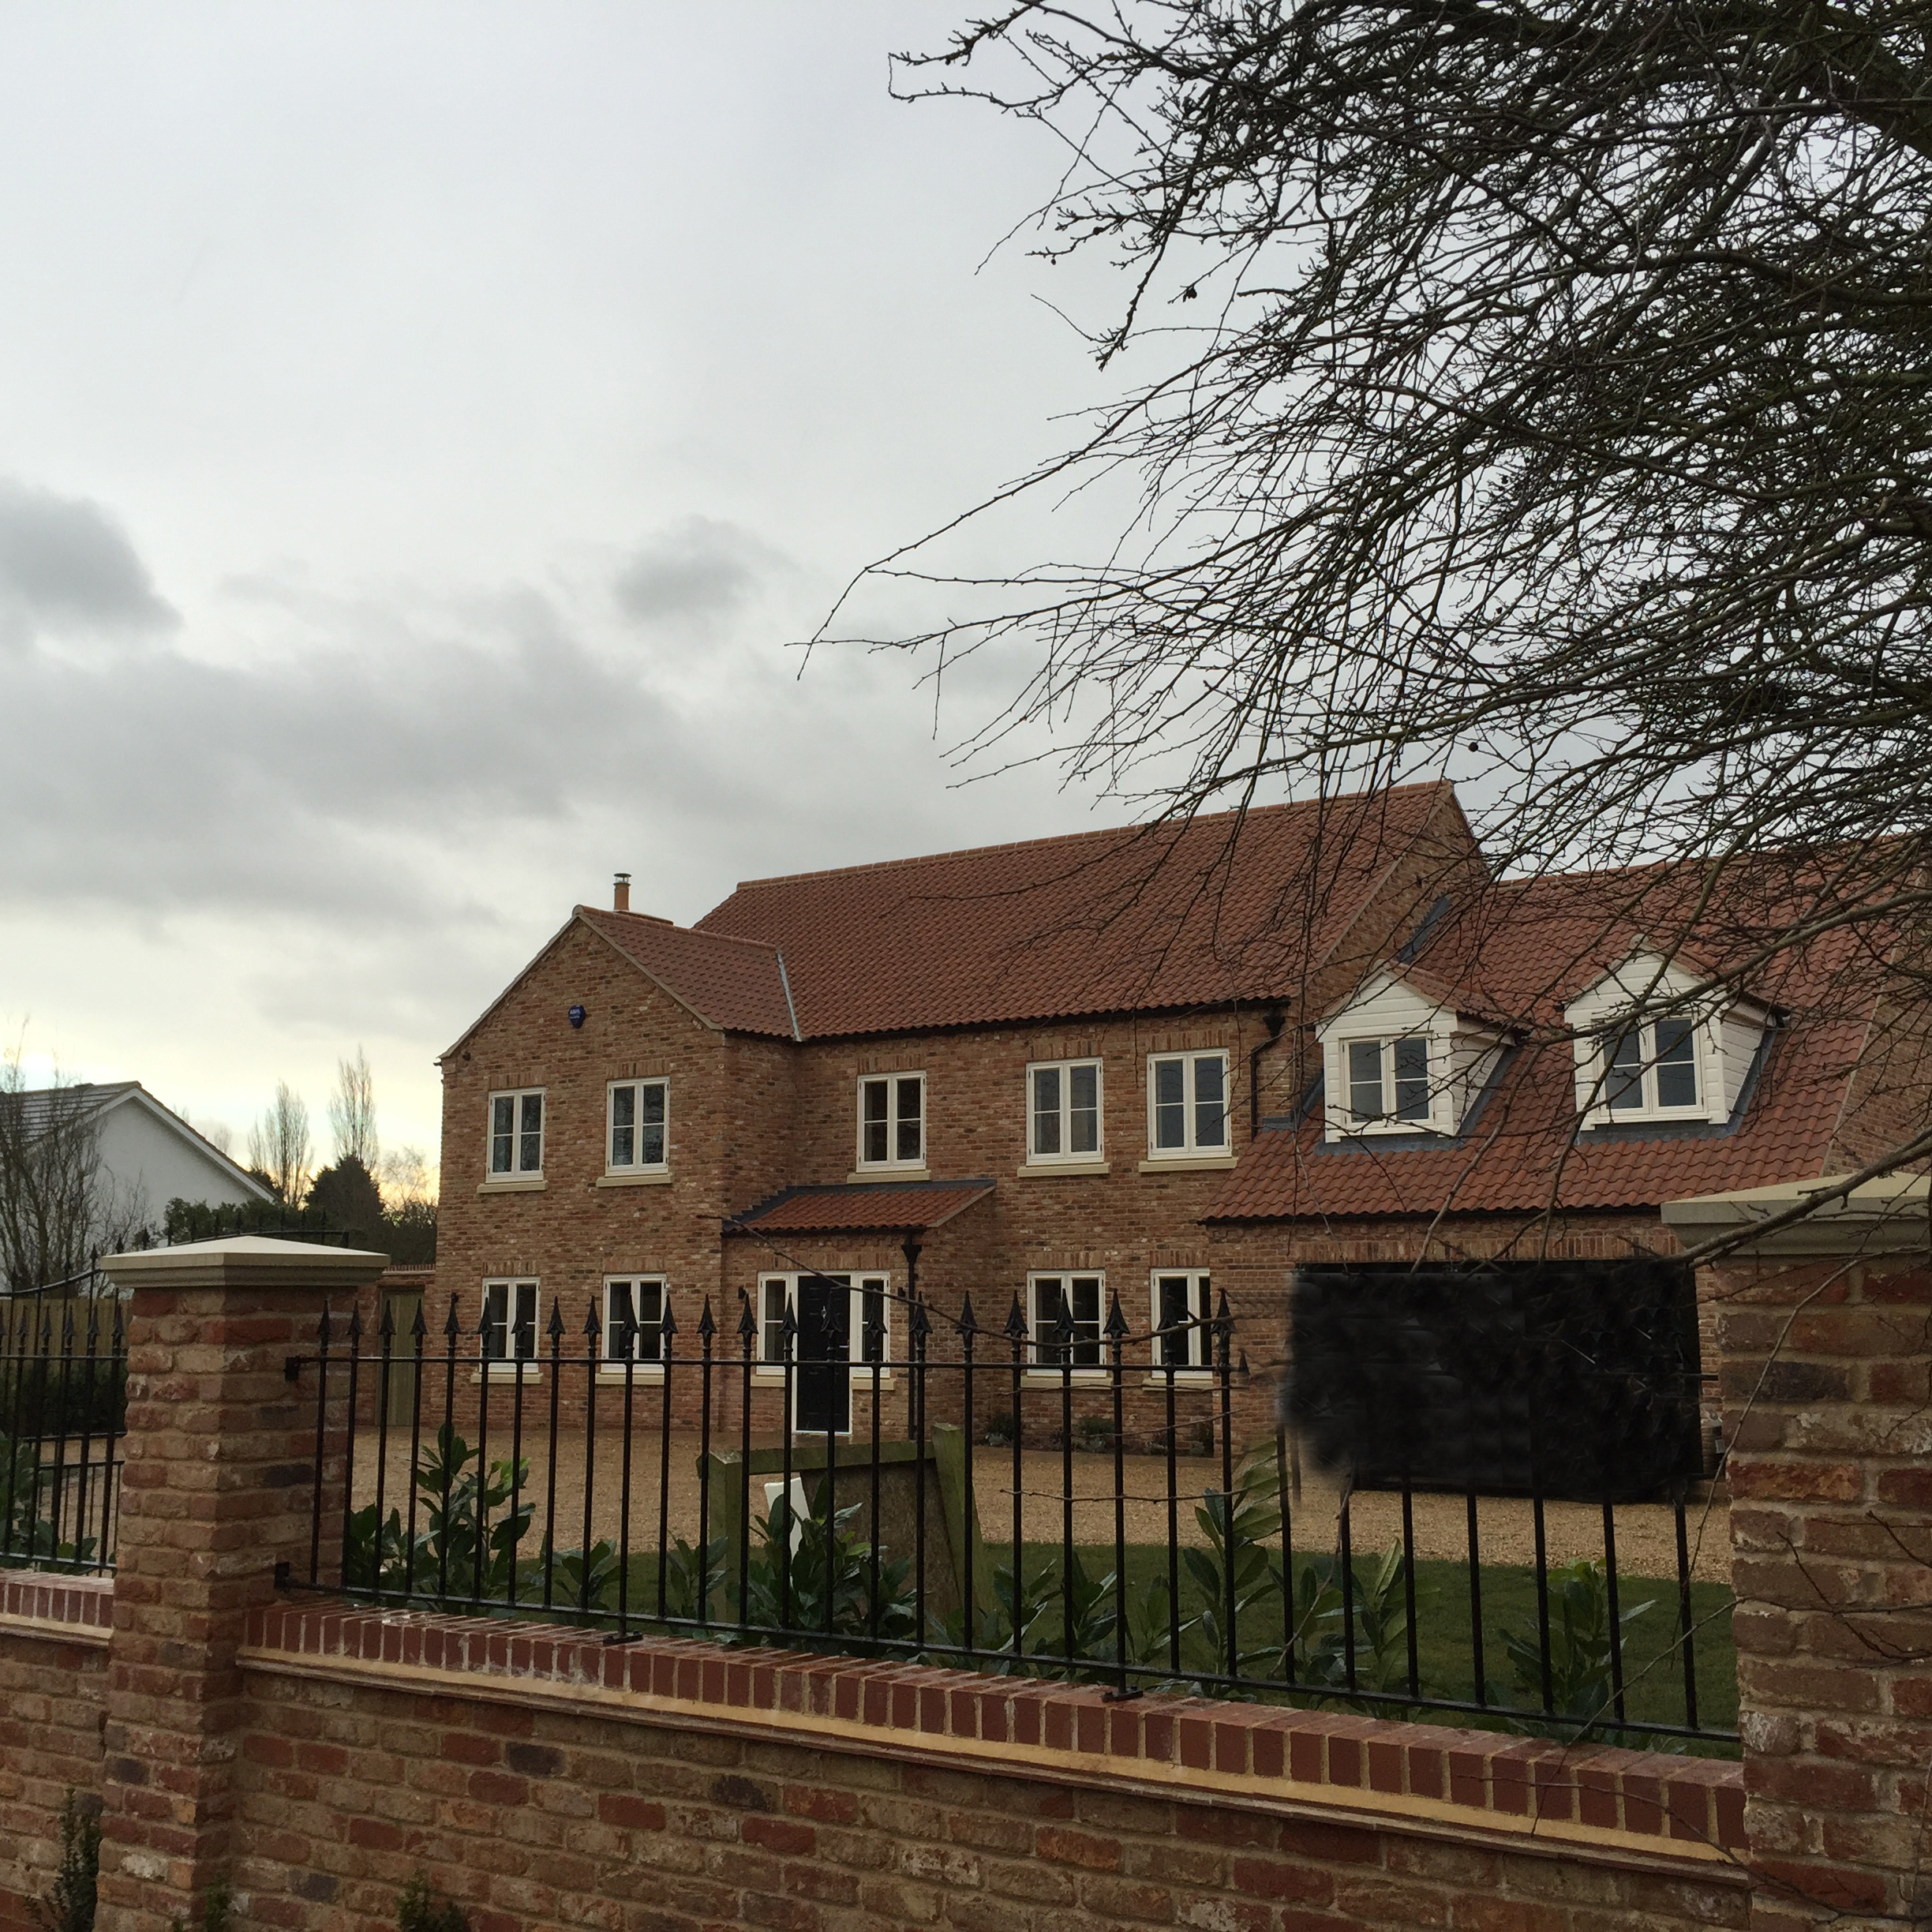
<point>1579,1379</point>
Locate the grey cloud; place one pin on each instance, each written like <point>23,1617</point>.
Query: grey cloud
<point>698,568</point>
<point>64,560</point>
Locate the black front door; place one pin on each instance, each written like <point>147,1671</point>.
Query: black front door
<point>823,1398</point>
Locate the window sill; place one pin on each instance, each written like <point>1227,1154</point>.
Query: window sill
<point>1183,1378</point>
<point>506,1371</point>
<point>513,1184</point>
<point>889,1173</point>
<point>1052,1378</point>
<point>612,1373</point>
<point>1677,1117</point>
<point>655,1176</point>
<point>861,1378</point>
<point>1190,1164</point>
<point>1055,1171</point>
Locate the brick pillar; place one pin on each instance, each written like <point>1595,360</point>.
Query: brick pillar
<point>1822,1328</point>
<point>219,1489</point>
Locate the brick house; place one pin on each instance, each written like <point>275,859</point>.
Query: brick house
<point>1021,1074</point>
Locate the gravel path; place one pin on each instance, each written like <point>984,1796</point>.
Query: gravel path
<point>1645,1533</point>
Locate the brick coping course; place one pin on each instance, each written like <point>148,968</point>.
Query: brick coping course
<point>74,1609</point>
<point>1623,1805</point>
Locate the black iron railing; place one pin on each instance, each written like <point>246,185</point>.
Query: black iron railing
<point>63,1400</point>
<point>1015,1499</point>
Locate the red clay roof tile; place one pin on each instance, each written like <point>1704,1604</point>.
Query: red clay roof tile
<point>879,1207</point>
<point>1226,908</point>
<point>730,983</point>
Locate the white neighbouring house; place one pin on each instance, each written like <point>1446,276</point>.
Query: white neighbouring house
<point>148,1155</point>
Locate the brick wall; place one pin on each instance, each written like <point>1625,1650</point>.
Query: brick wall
<point>53,1680</point>
<point>1829,1408</point>
<point>547,1779</point>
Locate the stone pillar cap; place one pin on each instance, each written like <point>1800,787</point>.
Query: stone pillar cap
<point>1890,1215</point>
<point>245,1261</point>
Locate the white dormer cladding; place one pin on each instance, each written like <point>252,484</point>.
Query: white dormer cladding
<point>1648,1048</point>
<point>1392,1026</point>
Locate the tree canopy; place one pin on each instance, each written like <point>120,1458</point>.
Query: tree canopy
<point>1544,394</point>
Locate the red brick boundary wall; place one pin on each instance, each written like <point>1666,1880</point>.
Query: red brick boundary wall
<point>52,1686</point>
<point>543,1777</point>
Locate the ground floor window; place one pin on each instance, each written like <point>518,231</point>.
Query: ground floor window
<point>843,1315</point>
<point>634,1314</point>
<point>1064,1320</point>
<point>509,1321</point>
<point>1184,1336</point>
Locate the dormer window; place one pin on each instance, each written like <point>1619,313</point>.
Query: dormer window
<point>1682,1066</point>
<point>1653,1070</point>
<point>1388,1081</point>
<point>1397,1060</point>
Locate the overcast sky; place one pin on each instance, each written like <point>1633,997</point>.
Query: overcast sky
<point>422,431</point>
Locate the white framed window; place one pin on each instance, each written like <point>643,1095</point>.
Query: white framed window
<point>1389,1082</point>
<point>892,1120</point>
<point>1187,1104</point>
<point>638,1138</point>
<point>1651,1071</point>
<point>1063,1110</point>
<point>516,1133</point>
<point>509,1322</point>
<point>1063,1314</point>
<point>864,1318</point>
<point>633,1313</point>
<point>1183,1320</point>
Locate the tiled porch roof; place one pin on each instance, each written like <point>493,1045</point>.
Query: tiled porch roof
<point>860,1208</point>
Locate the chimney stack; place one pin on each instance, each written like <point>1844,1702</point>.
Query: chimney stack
<point>620,899</point>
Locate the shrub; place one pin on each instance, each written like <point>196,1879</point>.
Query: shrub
<point>420,1908</point>
<point>69,1906</point>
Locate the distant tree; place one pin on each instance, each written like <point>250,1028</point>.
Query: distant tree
<point>409,1207</point>
<point>344,1199</point>
<point>280,1146</point>
<point>352,1112</point>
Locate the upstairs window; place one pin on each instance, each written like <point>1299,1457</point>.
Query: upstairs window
<point>891,1120</point>
<point>1183,1335</point>
<point>1388,1081</point>
<point>633,1313</point>
<point>639,1129</point>
<point>1063,1110</point>
<point>516,1133</point>
<point>1651,1069</point>
<point>1187,1104</point>
<point>1066,1320</point>
<point>509,1321</point>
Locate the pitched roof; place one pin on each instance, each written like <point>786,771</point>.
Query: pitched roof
<point>38,1105</point>
<point>870,1208</point>
<point>1525,950</point>
<point>93,1098</point>
<point>1226,907</point>
<point>739,984</point>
